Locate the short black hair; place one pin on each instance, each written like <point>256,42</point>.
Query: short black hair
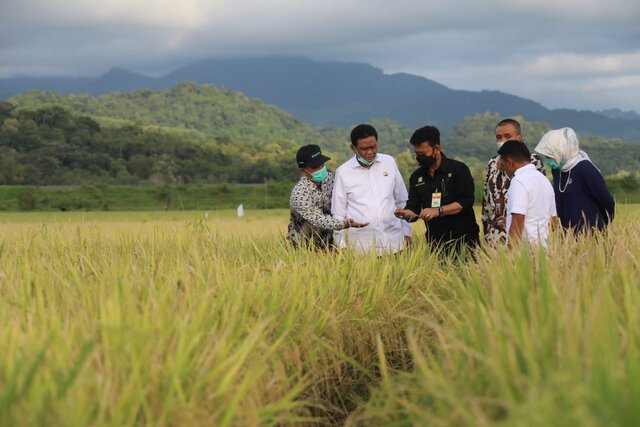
<point>515,150</point>
<point>513,122</point>
<point>362,131</point>
<point>428,134</point>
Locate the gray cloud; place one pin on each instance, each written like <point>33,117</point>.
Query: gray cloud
<point>575,53</point>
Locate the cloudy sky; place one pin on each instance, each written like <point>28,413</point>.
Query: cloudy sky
<point>582,54</point>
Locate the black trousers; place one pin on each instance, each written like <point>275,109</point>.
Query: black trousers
<point>454,243</point>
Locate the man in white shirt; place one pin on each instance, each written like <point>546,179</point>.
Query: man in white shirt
<point>531,201</point>
<point>368,188</point>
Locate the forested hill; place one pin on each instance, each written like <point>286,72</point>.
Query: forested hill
<point>205,112</point>
<point>212,111</point>
<point>202,134</point>
<point>51,146</point>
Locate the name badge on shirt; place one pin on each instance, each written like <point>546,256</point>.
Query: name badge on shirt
<point>436,198</point>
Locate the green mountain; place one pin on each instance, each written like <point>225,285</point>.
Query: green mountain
<point>340,94</point>
<point>214,112</point>
<point>203,134</point>
<point>52,146</point>
<point>203,112</point>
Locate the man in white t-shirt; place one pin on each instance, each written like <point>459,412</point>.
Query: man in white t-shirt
<point>368,188</point>
<point>531,202</point>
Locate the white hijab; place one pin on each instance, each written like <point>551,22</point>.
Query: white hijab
<point>562,146</point>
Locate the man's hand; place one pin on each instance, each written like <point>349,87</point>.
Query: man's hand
<point>405,214</point>
<point>354,224</point>
<point>429,213</point>
<point>408,240</point>
<point>399,213</point>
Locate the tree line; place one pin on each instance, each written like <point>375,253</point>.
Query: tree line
<point>48,139</point>
<point>51,146</point>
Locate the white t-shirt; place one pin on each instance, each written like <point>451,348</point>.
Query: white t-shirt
<point>531,195</point>
<point>370,195</point>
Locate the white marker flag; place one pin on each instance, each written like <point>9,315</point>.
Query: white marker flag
<point>240,211</point>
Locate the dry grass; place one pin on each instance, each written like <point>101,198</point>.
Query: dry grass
<point>168,319</point>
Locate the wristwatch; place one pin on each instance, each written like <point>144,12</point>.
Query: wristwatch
<point>440,211</point>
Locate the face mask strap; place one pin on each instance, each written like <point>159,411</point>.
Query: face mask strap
<point>362,159</point>
<point>319,175</point>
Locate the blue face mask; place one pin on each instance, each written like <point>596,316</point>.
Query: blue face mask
<point>320,175</point>
<point>552,164</point>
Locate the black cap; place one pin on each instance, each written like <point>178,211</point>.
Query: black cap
<point>310,156</point>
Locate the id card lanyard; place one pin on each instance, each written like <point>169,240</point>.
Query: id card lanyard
<point>436,199</point>
<point>436,196</point>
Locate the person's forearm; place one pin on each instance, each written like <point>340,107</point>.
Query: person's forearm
<point>452,208</point>
<point>516,229</point>
<point>316,218</point>
<point>515,233</point>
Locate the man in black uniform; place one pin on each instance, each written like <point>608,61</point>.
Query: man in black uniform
<point>441,193</point>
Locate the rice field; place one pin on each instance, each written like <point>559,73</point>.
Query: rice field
<point>174,319</point>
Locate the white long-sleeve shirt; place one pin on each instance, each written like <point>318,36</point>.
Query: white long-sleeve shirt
<point>370,195</point>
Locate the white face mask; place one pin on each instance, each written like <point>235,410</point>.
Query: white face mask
<point>499,144</point>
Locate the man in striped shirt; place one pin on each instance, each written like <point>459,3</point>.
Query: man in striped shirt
<point>496,186</point>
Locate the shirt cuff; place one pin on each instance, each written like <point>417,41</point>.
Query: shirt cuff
<point>406,228</point>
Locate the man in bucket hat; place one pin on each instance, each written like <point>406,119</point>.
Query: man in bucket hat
<point>311,223</point>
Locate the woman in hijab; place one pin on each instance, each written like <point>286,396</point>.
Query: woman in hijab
<point>582,199</point>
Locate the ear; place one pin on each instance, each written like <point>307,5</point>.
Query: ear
<point>353,148</point>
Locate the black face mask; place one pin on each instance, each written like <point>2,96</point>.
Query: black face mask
<point>425,161</point>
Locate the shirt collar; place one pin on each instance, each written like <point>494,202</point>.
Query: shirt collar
<point>522,169</point>
<point>305,181</point>
<point>445,164</point>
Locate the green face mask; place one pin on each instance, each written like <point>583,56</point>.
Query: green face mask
<point>363,161</point>
<point>552,164</point>
<point>320,175</point>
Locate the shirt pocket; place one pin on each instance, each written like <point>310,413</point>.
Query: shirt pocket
<point>385,180</point>
<point>448,189</point>
<point>424,194</point>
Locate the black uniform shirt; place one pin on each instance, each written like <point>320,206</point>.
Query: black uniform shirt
<point>454,181</point>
